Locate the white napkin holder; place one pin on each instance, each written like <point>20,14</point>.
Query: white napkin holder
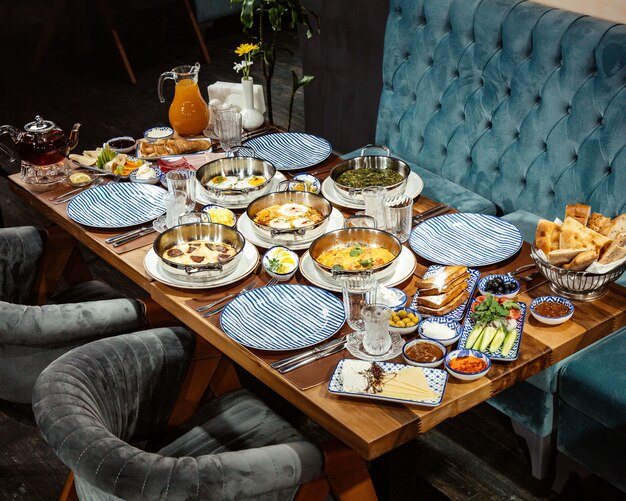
<point>231,92</point>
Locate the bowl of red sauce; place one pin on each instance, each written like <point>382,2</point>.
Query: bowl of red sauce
<point>551,310</point>
<point>423,352</point>
<point>467,365</point>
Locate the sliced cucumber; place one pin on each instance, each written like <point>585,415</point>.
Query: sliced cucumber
<point>488,336</point>
<point>497,341</point>
<point>474,335</point>
<point>509,341</point>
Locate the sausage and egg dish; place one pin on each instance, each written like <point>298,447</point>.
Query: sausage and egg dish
<point>200,252</point>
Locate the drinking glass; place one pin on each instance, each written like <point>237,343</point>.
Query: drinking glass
<point>357,293</point>
<point>373,197</point>
<point>183,180</point>
<point>195,217</point>
<point>175,207</point>
<point>214,110</point>
<point>228,126</point>
<point>360,220</point>
<point>376,340</point>
<point>399,216</point>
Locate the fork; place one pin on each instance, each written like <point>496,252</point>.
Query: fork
<point>95,184</point>
<point>273,281</point>
<point>252,285</point>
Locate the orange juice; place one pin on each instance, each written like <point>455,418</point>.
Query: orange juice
<point>188,114</point>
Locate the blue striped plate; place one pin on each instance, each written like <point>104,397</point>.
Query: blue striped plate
<point>465,239</point>
<point>290,150</point>
<point>283,317</point>
<point>117,205</point>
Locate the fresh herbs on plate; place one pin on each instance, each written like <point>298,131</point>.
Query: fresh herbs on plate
<point>496,324</point>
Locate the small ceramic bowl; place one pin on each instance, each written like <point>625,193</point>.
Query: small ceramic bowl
<point>151,180</point>
<point>456,328</point>
<point>156,133</point>
<point>551,320</point>
<point>272,260</point>
<point>312,184</point>
<point>79,179</point>
<point>506,280</point>
<point>404,330</point>
<point>391,296</point>
<point>466,376</point>
<point>406,352</point>
<point>221,215</point>
<point>122,144</point>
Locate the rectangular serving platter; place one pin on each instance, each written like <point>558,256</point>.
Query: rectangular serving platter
<point>468,325</point>
<point>437,380</point>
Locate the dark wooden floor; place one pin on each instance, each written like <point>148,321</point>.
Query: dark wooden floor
<point>474,456</point>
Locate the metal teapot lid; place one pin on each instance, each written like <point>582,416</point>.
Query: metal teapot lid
<point>39,125</point>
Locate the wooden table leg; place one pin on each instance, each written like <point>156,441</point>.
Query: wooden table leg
<point>108,21</point>
<point>347,473</point>
<point>69,491</point>
<point>395,473</point>
<point>197,31</point>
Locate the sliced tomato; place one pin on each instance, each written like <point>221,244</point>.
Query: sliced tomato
<point>477,301</point>
<point>514,314</point>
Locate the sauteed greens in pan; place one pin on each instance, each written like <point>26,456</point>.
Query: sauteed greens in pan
<point>363,178</point>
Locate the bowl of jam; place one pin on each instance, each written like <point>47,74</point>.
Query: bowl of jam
<point>551,310</point>
<point>423,352</point>
<point>122,144</point>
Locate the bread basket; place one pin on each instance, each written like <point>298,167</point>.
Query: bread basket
<point>579,285</point>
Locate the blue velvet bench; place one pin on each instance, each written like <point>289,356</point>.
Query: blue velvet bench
<point>591,429</point>
<point>514,109</point>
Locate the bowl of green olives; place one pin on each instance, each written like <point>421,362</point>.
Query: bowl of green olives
<point>499,285</point>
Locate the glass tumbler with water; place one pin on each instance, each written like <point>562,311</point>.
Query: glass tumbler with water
<point>374,196</point>
<point>376,339</point>
<point>183,180</point>
<point>399,216</point>
<point>357,293</point>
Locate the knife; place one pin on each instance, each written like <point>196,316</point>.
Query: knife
<point>435,211</point>
<point>324,353</point>
<point>135,236</point>
<point>124,235</point>
<point>295,358</point>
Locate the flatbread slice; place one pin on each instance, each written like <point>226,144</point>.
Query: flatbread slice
<point>616,251</point>
<point>597,221</point>
<point>582,261</point>
<point>446,275</point>
<point>580,212</point>
<point>576,236</point>
<point>444,310</point>
<point>547,236</point>
<point>561,256</point>
<point>614,227</point>
<point>433,291</point>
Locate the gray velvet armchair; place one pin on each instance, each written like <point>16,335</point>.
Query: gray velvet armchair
<point>95,403</point>
<point>33,336</point>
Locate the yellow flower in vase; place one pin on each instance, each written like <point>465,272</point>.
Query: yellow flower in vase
<point>247,50</point>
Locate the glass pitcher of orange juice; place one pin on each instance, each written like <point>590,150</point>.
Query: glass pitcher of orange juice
<point>189,113</point>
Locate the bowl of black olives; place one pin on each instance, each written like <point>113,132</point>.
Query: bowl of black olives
<point>499,285</point>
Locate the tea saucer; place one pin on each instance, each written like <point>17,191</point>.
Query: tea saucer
<point>354,345</point>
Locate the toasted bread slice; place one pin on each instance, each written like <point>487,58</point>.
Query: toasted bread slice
<point>576,236</point>
<point>441,299</point>
<point>580,212</point>
<point>547,236</point>
<point>446,275</point>
<point>597,221</point>
<point>433,291</point>
<point>582,261</point>
<point>561,256</point>
<point>616,251</point>
<point>614,227</point>
<point>447,308</point>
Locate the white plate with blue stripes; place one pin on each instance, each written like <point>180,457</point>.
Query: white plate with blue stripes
<point>290,150</point>
<point>117,205</point>
<point>283,317</point>
<point>465,239</point>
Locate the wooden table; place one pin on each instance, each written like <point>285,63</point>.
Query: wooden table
<point>369,428</point>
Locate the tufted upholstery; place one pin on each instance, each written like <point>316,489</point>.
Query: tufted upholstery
<point>33,336</point>
<point>520,103</point>
<point>93,403</point>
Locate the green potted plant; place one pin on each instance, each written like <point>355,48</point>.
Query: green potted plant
<point>271,17</point>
